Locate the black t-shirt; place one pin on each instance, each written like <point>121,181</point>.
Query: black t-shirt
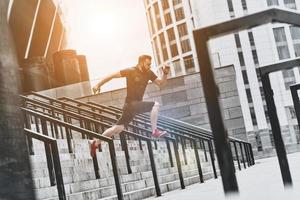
<point>136,81</point>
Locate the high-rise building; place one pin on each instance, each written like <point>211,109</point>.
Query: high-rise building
<point>171,23</point>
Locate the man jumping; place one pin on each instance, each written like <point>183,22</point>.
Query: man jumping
<point>137,79</point>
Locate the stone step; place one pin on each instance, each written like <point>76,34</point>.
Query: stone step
<point>74,174</point>
<point>134,190</point>
<point>164,174</point>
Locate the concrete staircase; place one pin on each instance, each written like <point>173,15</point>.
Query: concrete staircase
<point>79,176</point>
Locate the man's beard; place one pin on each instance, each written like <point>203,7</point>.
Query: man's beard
<point>144,69</point>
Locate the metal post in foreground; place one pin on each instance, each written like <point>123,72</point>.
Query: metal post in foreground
<point>153,167</point>
<point>211,90</point>
<point>237,155</point>
<point>279,145</point>
<point>294,91</point>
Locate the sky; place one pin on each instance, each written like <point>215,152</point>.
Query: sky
<point>111,33</point>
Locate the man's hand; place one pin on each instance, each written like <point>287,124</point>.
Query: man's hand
<point>166,70</point>
<point>96,90</point>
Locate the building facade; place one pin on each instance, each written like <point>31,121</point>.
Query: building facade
<point>246,50</point>
<point>40,31</point>
<point>37,27</point>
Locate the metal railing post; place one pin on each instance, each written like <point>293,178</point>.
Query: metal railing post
<point>177,157</point>
<point>211,153</point>
<point>58,172</point>
<point>237,155</point>
<point>170,153</point>
<point>198,161</point>
<point>242,154</point>
<point>125,149</point>
<point>153,167</point>
<point>113,158</point>
<point>183,150</point>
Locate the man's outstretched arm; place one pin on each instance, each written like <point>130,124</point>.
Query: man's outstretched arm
<point>96,88</point>
<point>163,80</point>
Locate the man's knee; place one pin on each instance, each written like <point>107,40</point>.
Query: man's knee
<point>118,128</point>
<point>156,105</point>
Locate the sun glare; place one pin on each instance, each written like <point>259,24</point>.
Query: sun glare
<point>100,25</point>
<point>111,33</point>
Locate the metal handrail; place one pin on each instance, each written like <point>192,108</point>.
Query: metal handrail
<point>53,161</point>
<point>143,123</point>
<point>93,113</point>
<point>189,132</point>
<point>192,133</point>
<point>46,118</point>
<point>148,140</point>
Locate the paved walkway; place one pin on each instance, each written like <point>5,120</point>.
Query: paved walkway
<point>260,182</point>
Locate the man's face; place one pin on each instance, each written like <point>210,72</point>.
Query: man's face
<point>147,64</point>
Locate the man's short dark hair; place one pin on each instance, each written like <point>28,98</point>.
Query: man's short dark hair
<point>142,58</point>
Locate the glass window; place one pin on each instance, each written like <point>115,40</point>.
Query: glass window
<point>258,142</point>
<point>266,114</point>
<point>292,112</point>
<point>279,34</point>
<point>172,41</point>
<point>157,16</point>
<point>245,77</point>
<point>163,46</point>
<point>185,45</point>
<point>230,8</point>
<point>272,2</point>
<point>175,2</point>
<point>251,38</point>
<point>182,29</point>
<point>255,58</point>
<point>289,78</point>
<point>249,96</point>
<point>253,116</point>
<point>271,138</point>
<point>151,27</point>
<point>283,52</point>
<point>295,33</point>
<point>290,4</point>
<point>171,34</point>
<point>189,64</point>
<point>157,50</point>
<point>241,58</point>
<point>177,67</point>
<point>179,14</point>
<point>297,49</point>
<point>165,4</point>
<point>168,18</point>
<point>262,93</point>
<point>244,4</point>
<point>297,133</point>
<point>230,5</point>
<point>258,74</point>
<point>237,40</point>
<point>281,43</point>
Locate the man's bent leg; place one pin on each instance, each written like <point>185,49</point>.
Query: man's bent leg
<point>154,116</point>
<point>96,143</point>
<point>153,119</point>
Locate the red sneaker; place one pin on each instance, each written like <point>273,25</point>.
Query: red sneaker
<point>157,133</point>
<point>93,148</point>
